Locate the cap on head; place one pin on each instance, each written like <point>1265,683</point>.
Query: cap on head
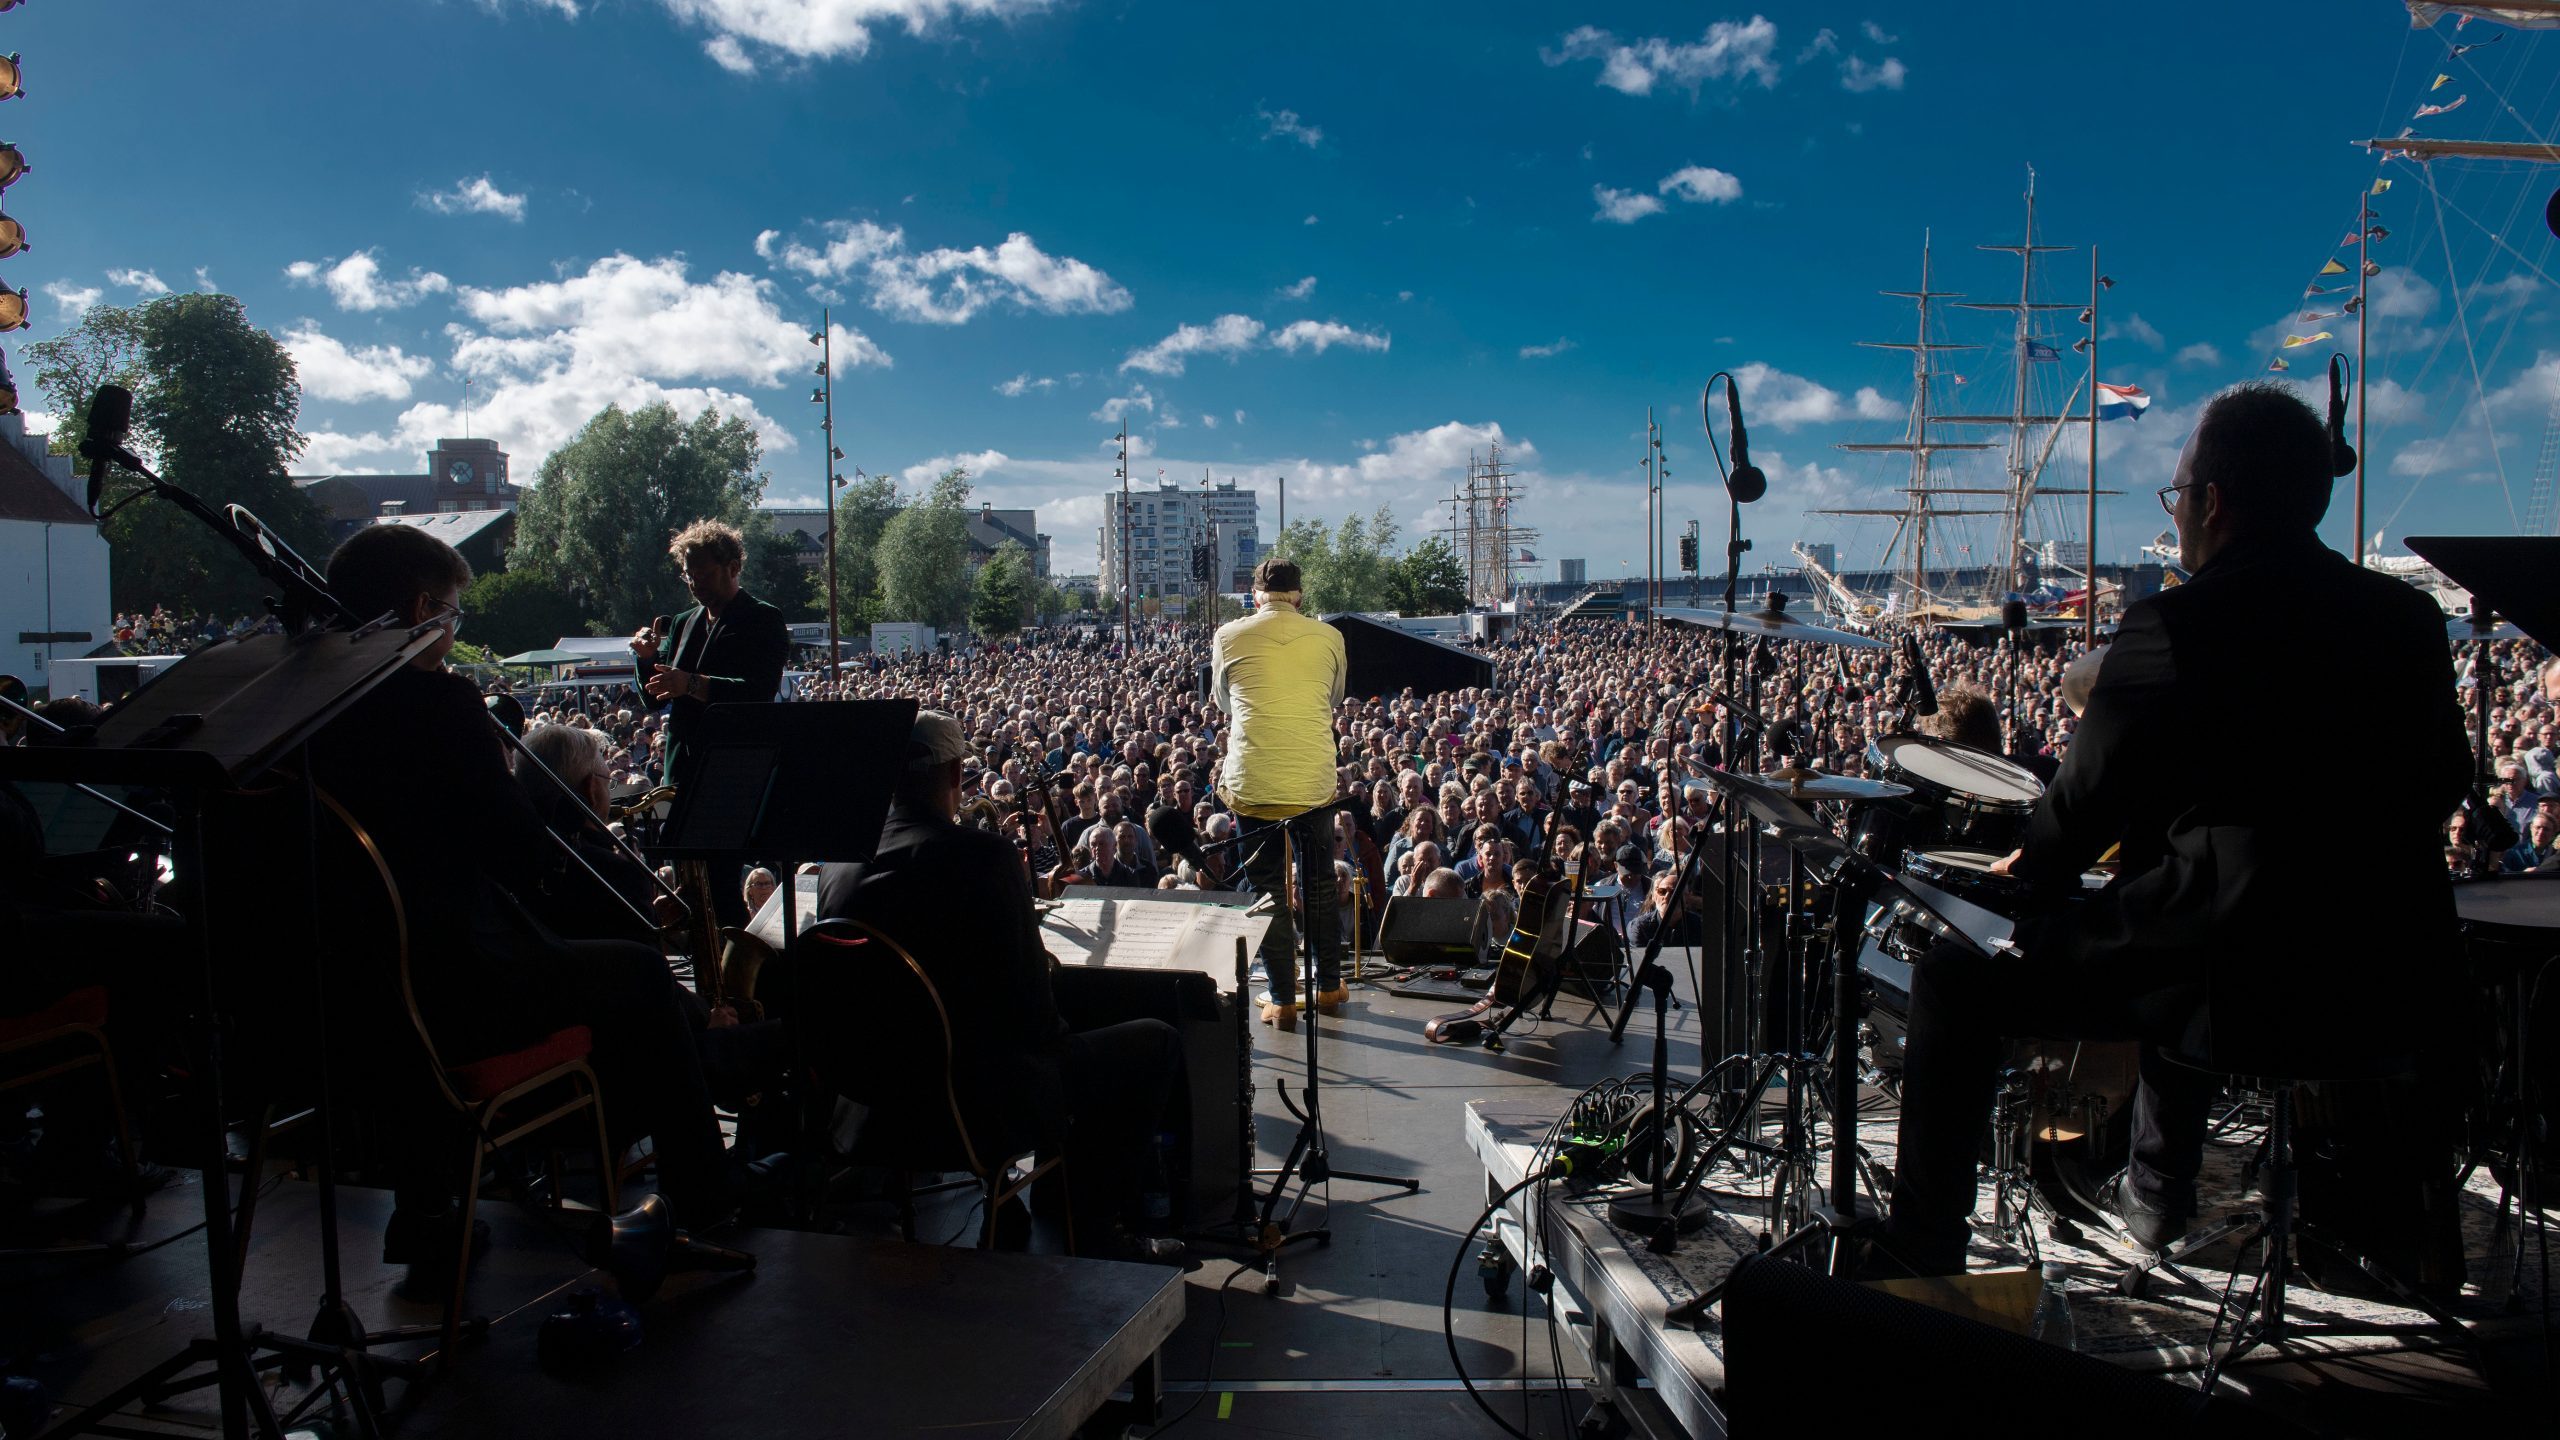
<point>1275,576</point>
<point>935,739</point>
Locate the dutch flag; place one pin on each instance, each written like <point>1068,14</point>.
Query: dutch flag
<point>2121,402</point>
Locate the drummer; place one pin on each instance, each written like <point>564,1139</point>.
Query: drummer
<point>2223,929</point>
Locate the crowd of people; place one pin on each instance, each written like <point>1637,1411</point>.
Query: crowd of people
<point>157,632</point>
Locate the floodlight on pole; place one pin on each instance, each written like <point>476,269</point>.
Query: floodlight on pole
<point>13,164</point>
<point>10,89</point>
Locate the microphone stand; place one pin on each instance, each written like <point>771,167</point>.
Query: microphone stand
<point>1656,1212</point>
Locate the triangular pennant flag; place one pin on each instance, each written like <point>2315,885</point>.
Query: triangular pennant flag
<point>2459,51</point>
<point>2380,186</point>
<point>2376,232</point>
<point>2314,317</point>
<point>2441,82</point>
<point>2333,268</point>
<point>2278,364</point>
<point>2352,240</point>
<point>2326,290</point>
<point>2446,108</point>
<point>2314,338</point>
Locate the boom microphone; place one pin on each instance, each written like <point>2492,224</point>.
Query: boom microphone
<point>1746,483</point>
<point>110,421</point>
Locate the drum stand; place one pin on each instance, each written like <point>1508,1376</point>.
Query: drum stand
<point>1309,1163</point>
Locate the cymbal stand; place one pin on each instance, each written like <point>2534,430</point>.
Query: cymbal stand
<point>1309,1161</point>
<point>1842,1215</point>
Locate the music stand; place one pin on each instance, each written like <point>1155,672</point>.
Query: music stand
<point>789,782</point>
<point>2514,573</point>
<point>213,721</point>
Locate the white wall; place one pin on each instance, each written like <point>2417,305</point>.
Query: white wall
<point>52,578</point>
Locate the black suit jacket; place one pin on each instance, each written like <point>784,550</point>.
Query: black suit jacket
<point>739,652</point>
<point>958,899</point>
<point>2276,745</point>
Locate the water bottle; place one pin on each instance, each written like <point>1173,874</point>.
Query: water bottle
<point>2053,1312</point>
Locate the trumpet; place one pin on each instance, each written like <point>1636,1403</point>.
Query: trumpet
<point>642,803</point>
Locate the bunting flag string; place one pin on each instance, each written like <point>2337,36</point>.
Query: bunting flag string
<point>2446,108</point>
<point>2325,290</point>
<point>2440,82</point>
<point>2314,317</point>
<point>2333,268</point>
<point>2296,341</point>
<point>2379,186</point>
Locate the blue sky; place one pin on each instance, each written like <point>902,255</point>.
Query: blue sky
<point>1344,244</point>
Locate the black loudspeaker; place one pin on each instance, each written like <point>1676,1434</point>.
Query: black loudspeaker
<point>1417,931</point>
<point>1212,1153</point>
<point>1792,1332</point>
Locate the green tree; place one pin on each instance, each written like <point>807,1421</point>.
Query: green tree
<point>775,573</point>
<point>863,512</point>
<point>923,556</point>
<point>1050,603</point>
<point>1345,567</point>
<point>1428,580</point>
<point>600,513</point>
<point>215,404</point>
<point>1005,590</point>
<point>511,611</point>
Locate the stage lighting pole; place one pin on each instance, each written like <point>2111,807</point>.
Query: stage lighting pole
<point>1125,564</point>
<point>826,396</point>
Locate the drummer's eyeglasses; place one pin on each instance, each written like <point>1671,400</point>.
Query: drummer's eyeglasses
<point>2167,505</point>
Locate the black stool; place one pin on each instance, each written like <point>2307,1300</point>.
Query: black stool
<point>2262,1319</point>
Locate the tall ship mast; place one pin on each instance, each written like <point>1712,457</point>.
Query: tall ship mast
<point>1907,554</point>
<point>2030,436</point>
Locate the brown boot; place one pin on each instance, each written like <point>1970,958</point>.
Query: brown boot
<point>1279,1016</point>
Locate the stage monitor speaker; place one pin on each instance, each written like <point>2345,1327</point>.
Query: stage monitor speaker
<point>1789,1330</point>
<point>1417,931</point>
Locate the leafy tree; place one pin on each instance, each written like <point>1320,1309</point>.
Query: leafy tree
<point>774,572</point>
<point>600,513</point>
<point>1005,591</point>
<point>1428,580</point>
<point>512,611</point>
<point>923,556</point>
<point>863,512</point>
<point>1050,603</point>
<point>1346,567</point>
<point>215,406</point>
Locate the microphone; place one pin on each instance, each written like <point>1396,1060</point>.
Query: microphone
<point>1924,691</point>
<point>2013,616</point>
<point>1746,483</point>
<point>110,420</point>
<point>659,625</point>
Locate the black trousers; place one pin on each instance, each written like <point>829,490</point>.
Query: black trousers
<point>1124,1089</point>
<point>1964,1007</point>
<point>1266,864</point>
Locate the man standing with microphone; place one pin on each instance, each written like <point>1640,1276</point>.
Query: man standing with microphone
<point>1279,677</point>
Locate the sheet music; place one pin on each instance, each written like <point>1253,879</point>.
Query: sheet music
<point>1152,935</point>
<point>767,926</point>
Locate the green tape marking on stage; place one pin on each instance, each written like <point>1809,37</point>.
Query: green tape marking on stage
<point>1226,1404</point>
<point>1235,1344</point>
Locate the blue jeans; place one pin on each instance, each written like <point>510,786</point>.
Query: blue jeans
<point>1266,864</point>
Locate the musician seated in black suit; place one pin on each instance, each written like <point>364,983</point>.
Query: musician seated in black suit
<point>418,762</point>
<point>564,893</point>
<point>959,900</point>
<point>2246,918</point>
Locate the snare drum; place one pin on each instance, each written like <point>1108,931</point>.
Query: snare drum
<point>1960,796</point>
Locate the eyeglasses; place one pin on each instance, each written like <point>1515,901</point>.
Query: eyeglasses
<point>2167,505</point>
<point>455,611</point>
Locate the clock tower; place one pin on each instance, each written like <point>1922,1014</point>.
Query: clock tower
<point>470,475</point>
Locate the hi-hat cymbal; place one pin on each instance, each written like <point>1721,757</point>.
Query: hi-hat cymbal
<point>1799,784</point>
<point>1776,625</point>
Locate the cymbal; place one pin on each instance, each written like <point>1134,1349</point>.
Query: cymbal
<point>1777,625</point>
<point>1800,784</point>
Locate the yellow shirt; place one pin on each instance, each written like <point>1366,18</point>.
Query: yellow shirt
<point>1279,677</point>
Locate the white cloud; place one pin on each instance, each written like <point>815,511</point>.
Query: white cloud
<point>1858,77</point>
<point>474,196</point>
<point>139,280</point>
<point>2133,327</point>
<point>1310,220</point>
<point>1209,421</point>
<point>1300,290</point>
<point>1226,335</point>
<point>1024,384</point>
<point>204,278</point>
<point>2400,294</point>
<point>1168,421</point>
<point>1117,408</point>
<point>1623,207</point>
<point>729,55</point>
<point>2202,353</point>
<point>947,286</point>
<point>1701,184</point>
<point>1285,125</point>
<point>1875,34</point>
<point>547,356</point>
<point>331,371</point>
<point>72,300</point>
<point>356,282</point>
<point>1825,41</point>
<point>1738,50</point>
<point>330,452</point>
<point>1774,397</point>
<point>1547,351</point>
<point>976,462</point>
<point>1323,335</point>
<point>823,29</point>
<point>1239,417</point>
